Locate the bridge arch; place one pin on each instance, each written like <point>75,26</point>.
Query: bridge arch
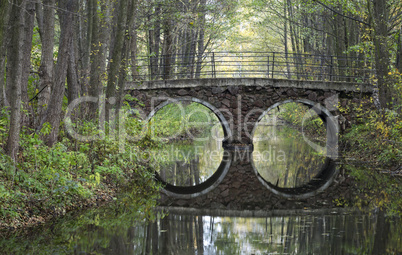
<point>215,179</point>
<point>328,170</point>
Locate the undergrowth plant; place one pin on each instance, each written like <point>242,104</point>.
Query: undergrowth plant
<point>373,149</point>
<point>50,180</point>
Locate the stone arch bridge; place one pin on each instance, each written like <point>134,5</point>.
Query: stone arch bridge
<point>239,104</point>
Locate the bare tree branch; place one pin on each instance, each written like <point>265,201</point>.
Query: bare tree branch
<point>343,15</point>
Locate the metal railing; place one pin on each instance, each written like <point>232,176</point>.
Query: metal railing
<point>274,65</point>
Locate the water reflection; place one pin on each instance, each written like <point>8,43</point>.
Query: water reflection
<point>192,143</point>
<point>319,233</point>
<point>281,156</point>
<point>325,234</point>
<point>189,163</point>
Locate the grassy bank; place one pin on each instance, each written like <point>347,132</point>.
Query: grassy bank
<point>49,181</point>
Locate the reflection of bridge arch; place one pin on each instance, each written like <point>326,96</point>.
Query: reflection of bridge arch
<point>219,174</point>
<point>328,170</point>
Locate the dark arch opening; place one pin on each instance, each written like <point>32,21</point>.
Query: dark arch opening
<point>212,181</point>
<point>328,170</point>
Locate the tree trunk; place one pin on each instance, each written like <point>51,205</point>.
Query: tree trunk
<point>121,82</point>
<point>4,16</point>
<point>116,57</point>
<point>26,61</point>
<point>168,45</point>
<point>46,69</point>
<point>14,74</point>
<point>53,112</point>
<point>285,38</point>
<point>399,51</point>
<point>382,62</point>
<point>153,42</point>
<point>201,37</point>
<point>95,85</point>
<point>86,27</point>
<point>73,86</point>
<point>157,38</point>
<point>133,38</point>
<point>194,36</point>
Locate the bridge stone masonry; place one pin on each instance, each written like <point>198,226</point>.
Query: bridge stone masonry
<point>240,103</point>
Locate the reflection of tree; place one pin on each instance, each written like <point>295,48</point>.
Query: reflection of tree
<point>289,235</point>
<point>299,164</point>
<point>191,133</point>
<point>226,241</point>
<point>192,234</point>
<point>188,163</point>
<point>381,234</point>
<point>301,117</point>
<point>182,173</point>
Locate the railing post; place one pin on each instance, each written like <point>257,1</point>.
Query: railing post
<point>149,68</point>
<point>163,67</point>
<point>268,66</point>
<point>331,67</point>
<point>322,61</point>
<point>213,65</point>
<point>273,64</point>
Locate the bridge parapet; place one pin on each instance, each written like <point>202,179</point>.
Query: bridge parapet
<point>249,82</point>
<point>273,65</point>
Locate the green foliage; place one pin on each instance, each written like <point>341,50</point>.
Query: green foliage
<point>180,120</point>
<point>377,188</point>
<point>377,137</point>
<point>375,142</point>
<point>52,179</point>
<point>301,117</point>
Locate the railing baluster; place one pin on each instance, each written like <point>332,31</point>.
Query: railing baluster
<point>273,64</point>
<point>213,65</point>
<point>267,66</point>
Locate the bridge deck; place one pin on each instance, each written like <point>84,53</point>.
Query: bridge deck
<point>263,82</point>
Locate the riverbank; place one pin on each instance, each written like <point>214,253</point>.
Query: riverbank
<point>130,191</point>
<point>46,182</point>
<point>372,149</point>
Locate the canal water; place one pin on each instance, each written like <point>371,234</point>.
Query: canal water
<point>199,232</point>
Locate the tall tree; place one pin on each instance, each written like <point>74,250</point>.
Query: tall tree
<point>382,61</point>
<point>45,11</point>
<point>15,69</point>
<point>115,63</point>
<point>4,14</point>
<point>53,113</point>
<point>132,30</point>
<point>73,85</point>
<point>100,40</point>
<point>399,51</point>
<point>27,44</point>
